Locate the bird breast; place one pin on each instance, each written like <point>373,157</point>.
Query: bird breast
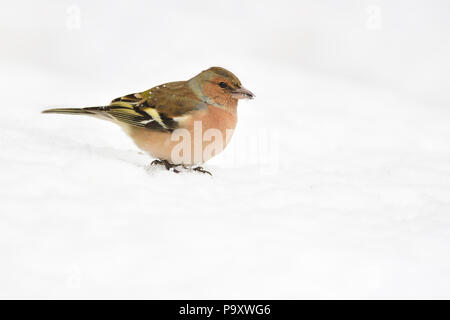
<point>200,136</point>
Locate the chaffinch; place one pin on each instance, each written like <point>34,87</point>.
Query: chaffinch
<point>201,112</point>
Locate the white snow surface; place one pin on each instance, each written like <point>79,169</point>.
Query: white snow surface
<point>335,185</point>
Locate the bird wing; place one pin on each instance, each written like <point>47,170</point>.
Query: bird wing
<point>159,108</point>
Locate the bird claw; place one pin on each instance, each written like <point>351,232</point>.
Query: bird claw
<point>200,169</point>
<point>166,164</point>
<point>172,166</point>
<point>155,162</point>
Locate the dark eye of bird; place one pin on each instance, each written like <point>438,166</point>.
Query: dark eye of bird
<point>223,85</point>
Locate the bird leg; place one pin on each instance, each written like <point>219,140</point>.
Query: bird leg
<point>200,169</point>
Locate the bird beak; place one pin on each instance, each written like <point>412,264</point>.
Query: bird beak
<point>242,93</point>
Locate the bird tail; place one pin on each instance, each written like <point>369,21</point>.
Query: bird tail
<point>97,112</point>
<point>87,111</point>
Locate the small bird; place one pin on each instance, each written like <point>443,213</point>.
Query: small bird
<point>202,111</point>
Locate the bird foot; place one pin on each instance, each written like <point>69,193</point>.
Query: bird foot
<point>166,164</point>
<point>200,169</point>
<point>174,167</point>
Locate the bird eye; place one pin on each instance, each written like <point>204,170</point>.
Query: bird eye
<point>223,85</point>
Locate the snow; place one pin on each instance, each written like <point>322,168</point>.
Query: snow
<point>335,185</point>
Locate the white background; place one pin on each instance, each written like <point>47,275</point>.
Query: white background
<point>336,183</point>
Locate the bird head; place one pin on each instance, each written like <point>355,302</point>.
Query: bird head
<point>219,85</point>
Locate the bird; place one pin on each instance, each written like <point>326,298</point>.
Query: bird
<point>181,123</point>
